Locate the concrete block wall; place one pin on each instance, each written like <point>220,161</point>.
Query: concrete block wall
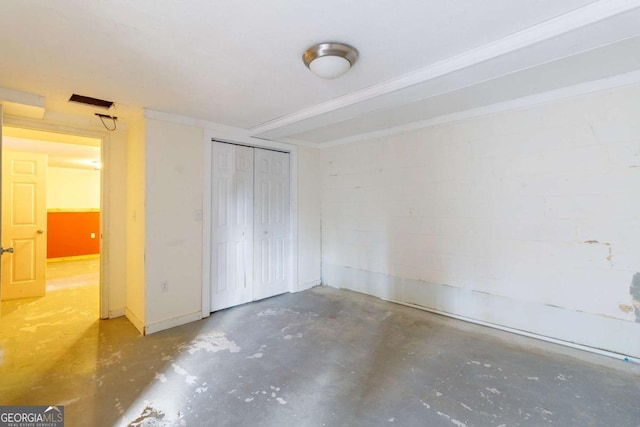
<point>527,219</point>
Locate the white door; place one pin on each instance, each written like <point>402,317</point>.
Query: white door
<point>250,253</point>
<point>271,226</point>
<point>24,221</point>
<point>232,226</point>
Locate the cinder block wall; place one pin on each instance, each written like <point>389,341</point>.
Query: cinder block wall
<point>528,219</point>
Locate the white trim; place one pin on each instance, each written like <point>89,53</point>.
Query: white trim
<point>154,327</point>
<point>565,326</point>
<point>57,122</point>
<point>571,21</point>
<point>25,123</point>
<point>206,228</point>
<point>260,143</point>
<point>209,136</point>
<point>293,220</point>
<point>221,131</point>
<point>522,333</point>
<point>105,221</point>
<point>117,312</point>
<point>135,321</point>
<point>299,143</point>
<point>581,89</point>
<point>309,285</point>
<point>225,133</point>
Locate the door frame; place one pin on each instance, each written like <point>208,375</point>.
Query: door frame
<point>104,192</point>
<point>209,137</point>
<point>1,125</point>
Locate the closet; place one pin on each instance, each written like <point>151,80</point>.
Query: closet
<point>250,232</point>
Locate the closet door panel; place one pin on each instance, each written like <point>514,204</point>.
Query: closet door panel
<point>272,240</point>
<point>231,225</point>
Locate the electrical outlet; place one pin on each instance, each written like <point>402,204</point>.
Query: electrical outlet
<point>164,286</point>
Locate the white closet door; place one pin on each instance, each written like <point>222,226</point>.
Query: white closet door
<point>272,240</point>
<point>231,226</point>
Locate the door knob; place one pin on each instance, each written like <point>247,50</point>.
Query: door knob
<point>40,231</point>
<point>3,250</point>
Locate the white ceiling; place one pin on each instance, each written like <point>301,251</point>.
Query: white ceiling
<point>60,154</point>
<point>238,63</point>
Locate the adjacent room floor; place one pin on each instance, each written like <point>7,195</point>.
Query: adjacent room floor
<point>73,273</point>
<point>324,357</point>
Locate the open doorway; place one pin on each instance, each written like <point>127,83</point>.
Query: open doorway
<point>72,204</point>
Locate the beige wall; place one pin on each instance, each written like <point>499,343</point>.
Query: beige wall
<point>135,289</point>
<point>114,212</point>
<point>72,188</point>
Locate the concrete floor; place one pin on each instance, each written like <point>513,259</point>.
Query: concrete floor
<point>73,273</point>
<point>324,357</point>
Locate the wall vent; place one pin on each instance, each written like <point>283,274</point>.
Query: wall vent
<point>94,102</point>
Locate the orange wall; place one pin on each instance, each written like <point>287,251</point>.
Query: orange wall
<point>69,234</point>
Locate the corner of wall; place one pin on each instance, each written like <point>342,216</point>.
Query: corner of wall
<point>309,207</point>
<point>114,210</point>
<point>135,321</point>
<point>136,152</point>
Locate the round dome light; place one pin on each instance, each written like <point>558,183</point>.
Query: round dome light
<point>330,60</point>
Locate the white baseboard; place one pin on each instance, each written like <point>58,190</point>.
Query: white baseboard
<point>308,285</point>
<point>117,312</point>
<point>139,324</point>
<point>173,322</point>
<point>615,336</point>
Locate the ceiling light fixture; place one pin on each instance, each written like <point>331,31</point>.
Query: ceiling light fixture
<point>330,60</point>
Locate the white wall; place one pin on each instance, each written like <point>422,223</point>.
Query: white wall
<point>528,219</point>
<point>71,188</point>
<point>173,235</point>
<point>309,205</point>
<point>173,231</point>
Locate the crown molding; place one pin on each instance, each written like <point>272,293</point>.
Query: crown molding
<point>191,121</point>
<point>213,130</point>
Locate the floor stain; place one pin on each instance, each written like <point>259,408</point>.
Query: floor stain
<point>355,369</point>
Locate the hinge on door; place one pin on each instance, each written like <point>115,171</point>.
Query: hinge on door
<point>3,250</point>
